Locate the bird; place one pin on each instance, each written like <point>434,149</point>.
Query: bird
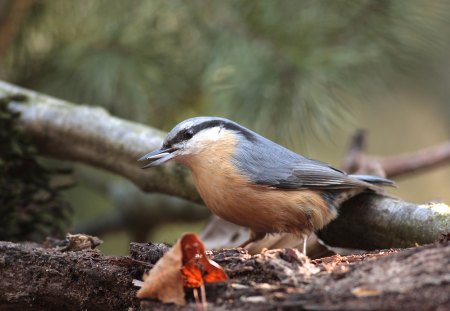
<point>256,183</point>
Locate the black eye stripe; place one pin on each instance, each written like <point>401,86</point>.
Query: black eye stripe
<point>187,134</point>
<point>181,136</point>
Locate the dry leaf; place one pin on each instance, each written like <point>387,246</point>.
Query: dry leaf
<point>197,268</point>
<point>79,242</point>
<point>164,281</point>
<point>185,264</point>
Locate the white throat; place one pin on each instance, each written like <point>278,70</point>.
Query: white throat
<point>204,140</point>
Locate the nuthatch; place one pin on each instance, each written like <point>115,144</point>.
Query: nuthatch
<point>253,182</point>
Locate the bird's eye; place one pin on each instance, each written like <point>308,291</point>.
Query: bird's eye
<point>188,134</point>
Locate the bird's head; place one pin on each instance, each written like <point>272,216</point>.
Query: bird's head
<point>198,136</point>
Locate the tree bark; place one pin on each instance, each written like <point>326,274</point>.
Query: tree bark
<point>35,278</point>
<point>371,221</point>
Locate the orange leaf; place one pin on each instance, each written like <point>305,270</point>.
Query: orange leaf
<point>185,264</point>
<point>192,275</point>
<point>197,268</point>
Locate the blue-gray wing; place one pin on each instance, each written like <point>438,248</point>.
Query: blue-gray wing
<point>307,174</point>
<point>267,163</point>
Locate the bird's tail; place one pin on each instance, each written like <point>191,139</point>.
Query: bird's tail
<point>374,180</point>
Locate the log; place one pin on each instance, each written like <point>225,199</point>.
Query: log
<point>36,278</point>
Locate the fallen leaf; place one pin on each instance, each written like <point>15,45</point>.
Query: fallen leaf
<point>197,268</point>
<point>164,281</point>
<point>184,265</point>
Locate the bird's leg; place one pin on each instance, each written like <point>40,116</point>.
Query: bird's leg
<point>254,236</point>
<point>305,239</point>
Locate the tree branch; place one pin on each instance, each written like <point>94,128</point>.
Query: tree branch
<point>370,221</point>
<point>420,160</point>
<point>92,136</point>
<point>357,161</point>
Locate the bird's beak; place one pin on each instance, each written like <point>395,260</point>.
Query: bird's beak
<point>158,156</point>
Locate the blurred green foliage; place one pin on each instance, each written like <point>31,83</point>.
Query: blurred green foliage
<point>118,242</point>
<point>30,207</point>
<point>281,67</point>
